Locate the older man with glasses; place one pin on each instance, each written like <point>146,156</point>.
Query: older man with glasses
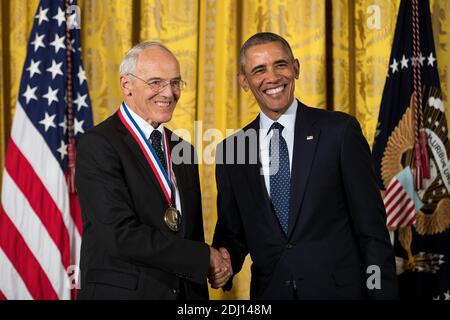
<point>142,219</point>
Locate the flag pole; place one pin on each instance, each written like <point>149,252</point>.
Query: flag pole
<point>71,148</point>
<point>422,161</point>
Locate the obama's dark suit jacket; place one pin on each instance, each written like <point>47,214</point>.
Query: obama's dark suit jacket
<point>337,233</point>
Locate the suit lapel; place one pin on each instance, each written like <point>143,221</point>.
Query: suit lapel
<point>178,171</point>
<point>137,152</point>
<point>305,143</point>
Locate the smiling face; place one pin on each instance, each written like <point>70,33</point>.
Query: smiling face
<point>155,107</point>
<point>270,74</point>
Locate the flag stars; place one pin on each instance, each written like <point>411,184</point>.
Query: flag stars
<point>72,45</point>
<point>72,22</point>
<point>81,75</point>
<point>394,66</point>
<point>62,149</point>
<point>60,17</point>
<point>42,15</point>
<point>415,61</point>
<point>421,59</point>
<point>34,68</point>
<point>38,42</point>
<point>58,43</point>
<point>78,126</point>
<point>48,121</point>
<point>55,69</point>
<point>447,295</point>
<point>431,60</point>
<point>404,62</point>
<point>51,96</point>
<point>63,125</point>
<point>30,93</point>
<point>81,101</point>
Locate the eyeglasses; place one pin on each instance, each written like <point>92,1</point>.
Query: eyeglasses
<point>160,84</point>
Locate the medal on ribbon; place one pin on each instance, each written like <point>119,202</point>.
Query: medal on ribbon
<point>172,217</point>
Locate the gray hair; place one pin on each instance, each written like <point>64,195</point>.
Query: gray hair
<point>128,64</point>
<point>262,38</point>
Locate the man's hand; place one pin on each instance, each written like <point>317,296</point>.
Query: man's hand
<point>220,270</point>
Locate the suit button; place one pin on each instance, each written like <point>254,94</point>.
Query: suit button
<point>289,246</point>
<point>175,291</point>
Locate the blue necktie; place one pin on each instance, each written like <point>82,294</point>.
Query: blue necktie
<point>155,141</point>
<point>280,176</point>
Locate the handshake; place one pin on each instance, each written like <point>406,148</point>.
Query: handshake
<point>220,267</point>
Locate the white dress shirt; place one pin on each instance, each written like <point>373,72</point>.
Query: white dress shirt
<point>287,120</point>
<point>147,129</point>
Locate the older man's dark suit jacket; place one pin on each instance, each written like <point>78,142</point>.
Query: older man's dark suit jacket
<point>127,251</point>
<point>337,223</point>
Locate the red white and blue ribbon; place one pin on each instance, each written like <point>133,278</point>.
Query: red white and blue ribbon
<point>164,180</point>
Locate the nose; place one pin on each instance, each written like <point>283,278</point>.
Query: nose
<point>273,75</point>
<point>168,91</point>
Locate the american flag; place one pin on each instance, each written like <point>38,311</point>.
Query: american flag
<point>40,221</point>
<point>401,201</point>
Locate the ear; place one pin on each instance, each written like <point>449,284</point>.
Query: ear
<point>243,82</point>
<point>125,85</point>
<point>296,68</point>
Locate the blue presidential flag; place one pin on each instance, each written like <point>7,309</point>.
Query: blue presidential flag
<point>411,157</point>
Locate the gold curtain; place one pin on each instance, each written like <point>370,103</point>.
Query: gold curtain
<point>343,47</point>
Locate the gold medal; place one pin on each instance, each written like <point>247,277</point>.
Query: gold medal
<point>172,218</point>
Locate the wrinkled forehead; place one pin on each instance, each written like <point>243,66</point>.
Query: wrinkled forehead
<point>269,44</point>
<point>265,53</point>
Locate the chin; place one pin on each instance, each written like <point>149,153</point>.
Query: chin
<point>165,119</point>
<point>280,107</point>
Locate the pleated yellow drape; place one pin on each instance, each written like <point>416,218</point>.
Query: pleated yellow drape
<point>371,50</point>
<point>217,102</point>
<point>343,47</point>
<point>440,11</point>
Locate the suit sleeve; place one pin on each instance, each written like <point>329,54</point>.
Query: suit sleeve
<point>367,211</point>
<point>106,203</point>
<point>229,232</point>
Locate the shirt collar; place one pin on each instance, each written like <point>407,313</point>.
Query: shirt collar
<point>146,127</point>
<point>287,119</point>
